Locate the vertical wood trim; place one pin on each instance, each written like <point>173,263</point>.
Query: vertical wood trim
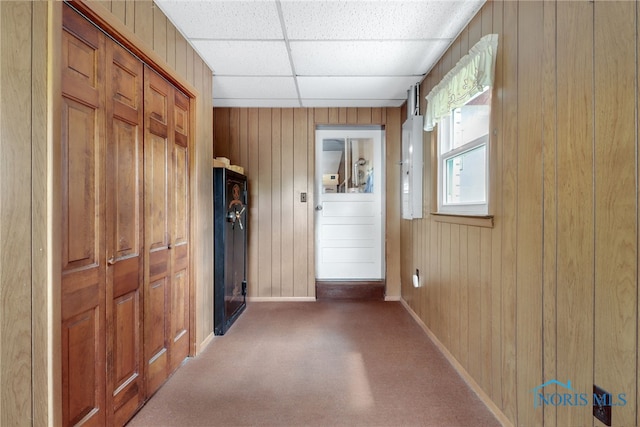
<point>47,344</point>
<point>509,214</point>
<point>637,94</point>
<point>495,206</point>
<point>456,49</point>
<point>616,252</point>
<point>160,33</point>
<point>201,188</point>
<point>233,138</point>
<point>487,19</point>
<point>575,198</point>
<point>352,116</point>
<point>191,58</point>
<point>475,313</point>
<point>264,202</point>
<point>321,116</point>
<point>118,9</point>
<point>253,278</point>
<point>144,21</point>
<point>333,115</point>
<point>288,196</point>
<point>276,201</point>
<point>310,204</point>
<point>181,55</point>
<point>475,30</point>
<point>243,140</point>
<point>130,14</point>
<point>466,352</point>
<point>550,215</point>
<point>376,115</point>
<point>364,115</point>
<point>529,208</point>
<point>454,285</point>
<point>300,146</point>
<point>486,309</point>
<point>445,279</point>
<point>171,48</point>
<point>16,278</point>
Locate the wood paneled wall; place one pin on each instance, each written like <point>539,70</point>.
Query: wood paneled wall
<point>30,191</point>
<point>15,206</point>
<point>551,290</point>
<point>276,148</point>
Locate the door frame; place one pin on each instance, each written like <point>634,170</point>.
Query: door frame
<point>317,186</point>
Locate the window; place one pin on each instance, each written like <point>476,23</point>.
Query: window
<point>460,107</point>
<point>463,168</point>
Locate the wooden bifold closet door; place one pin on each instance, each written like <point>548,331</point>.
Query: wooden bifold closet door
<point>166,228</point>
<point>83,232</point>
<point>124,232</point>
<point>125,252</point>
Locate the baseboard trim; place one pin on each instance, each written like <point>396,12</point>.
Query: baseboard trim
<point>281,299</point>
<point>392,298</point>
<point>482,395</point>
<point>200,347</point>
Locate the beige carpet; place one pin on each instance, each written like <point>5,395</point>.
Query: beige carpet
<point>325,363</point>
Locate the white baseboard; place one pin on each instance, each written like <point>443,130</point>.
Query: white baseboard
<point>502,418</point>
<point>281,299</point>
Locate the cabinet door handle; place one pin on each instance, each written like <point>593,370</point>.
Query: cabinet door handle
<point>111,261</point>
<point>169,246</point>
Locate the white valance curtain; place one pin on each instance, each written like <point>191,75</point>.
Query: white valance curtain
<point>471,75</point>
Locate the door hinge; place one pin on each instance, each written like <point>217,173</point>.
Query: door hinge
<point>244,288</point>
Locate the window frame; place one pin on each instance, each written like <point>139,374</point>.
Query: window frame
<point>464,209</point>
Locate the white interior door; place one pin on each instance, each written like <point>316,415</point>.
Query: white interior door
<point>350,194</point>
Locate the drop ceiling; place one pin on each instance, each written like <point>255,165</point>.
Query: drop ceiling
<point>314,53</point>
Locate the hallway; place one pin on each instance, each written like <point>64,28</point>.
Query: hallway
<point>318,364</point>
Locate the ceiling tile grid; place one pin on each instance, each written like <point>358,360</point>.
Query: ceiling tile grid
<point>245,58</point>
<point>288,53</point>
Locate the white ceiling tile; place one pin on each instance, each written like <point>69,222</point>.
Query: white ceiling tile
<point>356,88</point>
<point>257,103</point>
<point>365,57</point>
<point>362,20</point>
<point>248,58</point>
<point>254,87</point>
<point>224,19</point>
<point>321,103</point>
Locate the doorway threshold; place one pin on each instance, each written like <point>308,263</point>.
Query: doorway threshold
<point>350,290</point>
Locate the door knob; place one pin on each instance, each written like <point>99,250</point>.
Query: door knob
<point>319,207</point>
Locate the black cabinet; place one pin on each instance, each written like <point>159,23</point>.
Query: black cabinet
<point>230,247</point>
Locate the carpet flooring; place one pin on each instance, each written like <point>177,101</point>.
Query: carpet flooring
<point>324,363</point>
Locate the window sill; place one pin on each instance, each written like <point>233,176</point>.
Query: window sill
<point>474,220</point>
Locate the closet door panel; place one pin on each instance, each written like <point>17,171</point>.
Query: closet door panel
<point>124,225</point>
<point>157,176</point>
<point>83,383</point>
<point>83,256</point>
<point>180,232</point>
<point>180,262</point>
<point>80,148</point>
